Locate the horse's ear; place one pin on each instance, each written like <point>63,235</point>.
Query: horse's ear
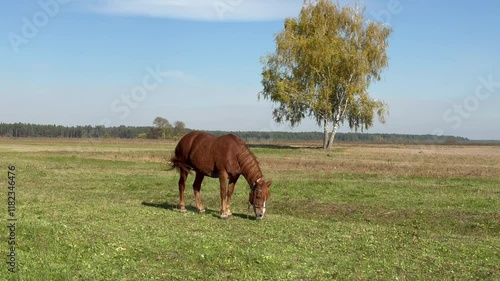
<point>269,183</point>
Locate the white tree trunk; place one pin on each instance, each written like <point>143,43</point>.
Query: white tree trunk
<point>325,136</point>
<point>336,124</point>
<point>332,135</point>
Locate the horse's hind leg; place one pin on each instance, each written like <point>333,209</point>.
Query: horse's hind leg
<point>182,186</point>
<point>196,188</point>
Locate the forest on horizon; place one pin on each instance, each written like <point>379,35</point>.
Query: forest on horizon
<point>161,131</point>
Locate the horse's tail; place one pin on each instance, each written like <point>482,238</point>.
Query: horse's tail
<point>176,163</point>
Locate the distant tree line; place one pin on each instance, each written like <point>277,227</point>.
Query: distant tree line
<point>26,130</point>
<point>162,129</point>
<point>343,137</point>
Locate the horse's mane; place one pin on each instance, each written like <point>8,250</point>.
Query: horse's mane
<point>249,165</point>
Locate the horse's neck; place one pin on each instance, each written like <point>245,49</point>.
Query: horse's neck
<point>252,177</point>
<point>249,167</point>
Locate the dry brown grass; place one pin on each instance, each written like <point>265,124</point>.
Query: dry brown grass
<point>407,160</point>
<point>104,149</point>
<point>388,159</point>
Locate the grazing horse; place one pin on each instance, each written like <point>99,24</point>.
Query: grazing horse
<point>226,157</point>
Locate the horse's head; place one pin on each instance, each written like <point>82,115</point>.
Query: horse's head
<point>259,193</point>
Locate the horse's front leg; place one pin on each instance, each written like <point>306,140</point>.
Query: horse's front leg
<point>232,183</point>
<point>223,195</point>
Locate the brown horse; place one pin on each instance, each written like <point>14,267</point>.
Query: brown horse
<point>226,157</point>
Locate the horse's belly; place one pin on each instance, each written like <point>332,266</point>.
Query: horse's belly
<point>209,173</point>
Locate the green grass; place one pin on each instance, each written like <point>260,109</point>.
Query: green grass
<point>107,211</point>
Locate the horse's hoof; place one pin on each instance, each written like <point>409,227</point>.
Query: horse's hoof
<point>183,210</point>
<point>202,211</point>
<point>224,216</point>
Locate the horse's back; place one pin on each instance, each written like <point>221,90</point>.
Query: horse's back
<point>232,143</point>
<point>196,139</point>
<point>205,152</point>
<point>191,141</point>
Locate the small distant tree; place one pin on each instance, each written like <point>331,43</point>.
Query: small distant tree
<point>179,128</point>
<point>163,127</point>
<point>324,62</point>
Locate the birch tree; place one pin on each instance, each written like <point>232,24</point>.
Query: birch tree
<point>324,62</point>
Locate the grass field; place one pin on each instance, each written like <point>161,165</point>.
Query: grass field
<point>106,210</point>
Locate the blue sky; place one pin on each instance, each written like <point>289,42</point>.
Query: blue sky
<point>111,62</point>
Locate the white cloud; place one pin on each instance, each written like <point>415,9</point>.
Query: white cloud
<point>202,10</point>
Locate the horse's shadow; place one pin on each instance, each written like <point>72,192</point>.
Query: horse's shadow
<point>190,208</point>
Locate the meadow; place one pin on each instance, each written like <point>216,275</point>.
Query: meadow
<point>106,209</point>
